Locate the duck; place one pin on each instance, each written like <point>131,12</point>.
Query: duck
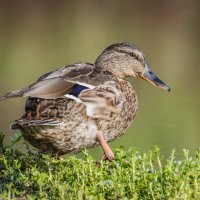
<point>83,105</point>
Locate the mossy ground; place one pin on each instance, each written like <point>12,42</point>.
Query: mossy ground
<point>131,176</point>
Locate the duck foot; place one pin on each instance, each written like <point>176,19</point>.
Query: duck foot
<point>109,158</point>
<point>108,154</point>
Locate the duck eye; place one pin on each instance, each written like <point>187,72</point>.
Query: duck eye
<point>132,54</point>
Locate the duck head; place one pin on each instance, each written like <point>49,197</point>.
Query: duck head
<point>125,60</point>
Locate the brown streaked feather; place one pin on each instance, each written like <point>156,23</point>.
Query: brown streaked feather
<point>103,102</point>
<point>43,112</point>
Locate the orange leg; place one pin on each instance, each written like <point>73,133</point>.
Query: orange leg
<point>107,150</point>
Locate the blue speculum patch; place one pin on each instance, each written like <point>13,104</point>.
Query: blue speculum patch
<point>77,89</point>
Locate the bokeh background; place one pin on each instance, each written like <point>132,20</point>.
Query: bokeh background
<point>39,36</point>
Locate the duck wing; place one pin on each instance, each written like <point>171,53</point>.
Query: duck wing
<point>97,90</point>
<point>57,83</point>
<point>105,102</point>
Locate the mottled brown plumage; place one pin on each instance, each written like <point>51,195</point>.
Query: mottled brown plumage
<point>83,105</point>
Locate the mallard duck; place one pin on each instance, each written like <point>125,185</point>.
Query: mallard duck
<point>83,105</point>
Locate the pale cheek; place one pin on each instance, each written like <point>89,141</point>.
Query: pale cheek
<point>132,73</point>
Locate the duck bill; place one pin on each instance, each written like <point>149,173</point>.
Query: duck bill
<point>149,76</point>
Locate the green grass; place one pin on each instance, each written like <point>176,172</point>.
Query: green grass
<point>131,176</point>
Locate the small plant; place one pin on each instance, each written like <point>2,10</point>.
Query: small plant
<point>130,176</point>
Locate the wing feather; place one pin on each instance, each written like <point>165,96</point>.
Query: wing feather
<point>104,101</point>
<point>101,95</point>
<point>57,83</point>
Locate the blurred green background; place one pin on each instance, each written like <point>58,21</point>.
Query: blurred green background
<point>39,36</point>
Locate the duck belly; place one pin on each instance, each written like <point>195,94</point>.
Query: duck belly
<point>60,139</point>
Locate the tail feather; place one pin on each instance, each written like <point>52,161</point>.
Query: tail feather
<point>14,126</point>
<point>13,94</point>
